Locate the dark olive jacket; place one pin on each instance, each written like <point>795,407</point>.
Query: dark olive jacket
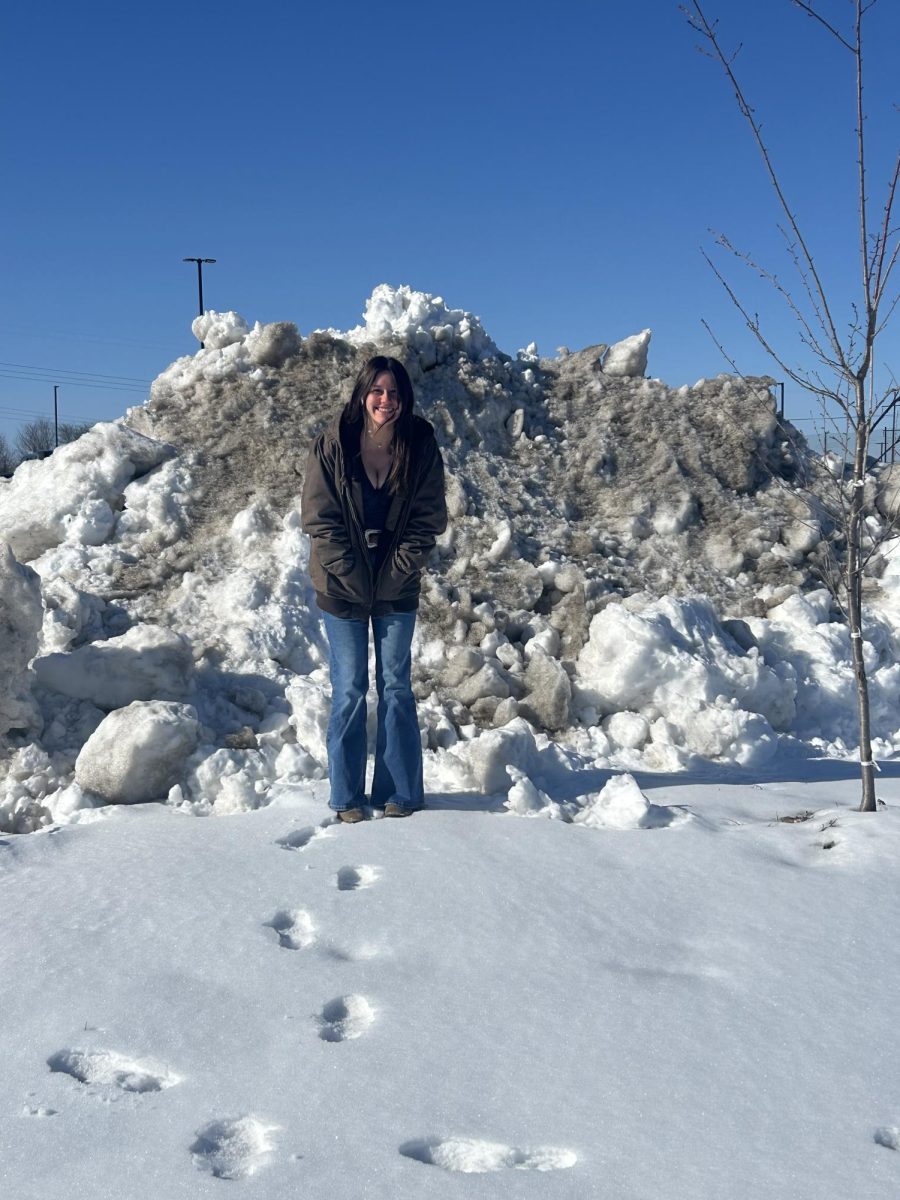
<point>340,566</point>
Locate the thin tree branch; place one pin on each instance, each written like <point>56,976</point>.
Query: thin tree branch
<point>880,278</point>
<point>861,163</point>
<point>808,337</point>
<point>752,322</point>
<point>811,12</point>
<point>708,31</point>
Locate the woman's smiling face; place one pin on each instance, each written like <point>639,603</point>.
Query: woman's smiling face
<point>383,401</point>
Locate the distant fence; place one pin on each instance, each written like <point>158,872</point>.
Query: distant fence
<point>885,443</point>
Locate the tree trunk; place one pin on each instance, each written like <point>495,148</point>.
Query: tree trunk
<point>854,609</point>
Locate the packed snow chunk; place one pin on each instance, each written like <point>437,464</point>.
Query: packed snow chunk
<point>486,757</point>
<point>628,357</point>
<point>273,344</point>
<point>627,729</point>
<point>233,1148</point>
<point>488,681</point>
<point>476,1156</point>
<point>672,660</point>
<point>27,777</point>
<point>424,322</point>
<point>620,804</point>
<point>21,617</point>
<point>44,498</point>
<point>155,513</point>
<point>217,330</point>
<point>110,1069</point>
<point>499,548</point>
<point>525,799</point>
<point>92,524</point>
<point>226,781</point>
<point>145,663</point>
<point>136,754</point>
<point>675,516</point>
<point>805,630</point>
<point>549,692</point>
<point>310,709</point>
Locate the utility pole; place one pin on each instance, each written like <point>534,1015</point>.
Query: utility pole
<point>55,413</point>
<point>200,262</point>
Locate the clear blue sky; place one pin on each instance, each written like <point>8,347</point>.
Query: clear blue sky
<point>552,168</point>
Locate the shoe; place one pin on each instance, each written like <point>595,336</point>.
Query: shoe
<point>394,810</point>
<point>351,815</point>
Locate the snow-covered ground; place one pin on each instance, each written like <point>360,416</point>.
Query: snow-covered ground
<point>697,1008</point>
<point>635,946</point>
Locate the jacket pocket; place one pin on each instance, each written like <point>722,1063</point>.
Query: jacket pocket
<point>400,577</point>
<point>337,578</point>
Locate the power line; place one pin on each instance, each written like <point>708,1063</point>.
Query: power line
<point>22,416</point>
<point>56,334</point>
<point>72,371</point>
<point>61,379</point>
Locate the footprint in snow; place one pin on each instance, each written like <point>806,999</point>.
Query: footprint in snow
<point>364,952</point>
<point>294,928</point>
<point>474,1156</point>
<point>107,1068</point>
<point>299,839</point>
<point>233,1148</point>
<point>345,1018</point>
<point>354,879</point>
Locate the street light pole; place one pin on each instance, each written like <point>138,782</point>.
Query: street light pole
<point>200,262</point>
<point>55,413</point>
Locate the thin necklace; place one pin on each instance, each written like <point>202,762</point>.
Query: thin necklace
<point>382,445</point>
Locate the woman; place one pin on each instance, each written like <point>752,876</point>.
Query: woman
<point>373,505</point>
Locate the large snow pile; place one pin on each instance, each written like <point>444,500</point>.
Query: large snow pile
<point>627,580</point>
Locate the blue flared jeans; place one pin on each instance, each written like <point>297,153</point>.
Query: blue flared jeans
<point>398,748</point>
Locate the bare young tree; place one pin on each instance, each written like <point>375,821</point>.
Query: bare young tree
<point>7,458</point>
<point>71,431</point>
<point>39,436</point>
<point>842,377</point>
<point>35,437</point>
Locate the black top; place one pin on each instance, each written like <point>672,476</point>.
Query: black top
<point>376,502</point>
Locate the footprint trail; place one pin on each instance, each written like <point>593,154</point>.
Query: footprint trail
<point>294,927</point>
<point>299,839</point>
<point>474,1156</point>
<point>354,879</point>
<point>107,1068</point>
<point>233,1148</point>
<point>345,1018</point>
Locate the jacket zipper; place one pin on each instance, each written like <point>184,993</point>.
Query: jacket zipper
<point>348,499</point>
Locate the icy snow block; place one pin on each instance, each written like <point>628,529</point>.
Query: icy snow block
<point>38,505</point>
<point>424,323</point>
<point>217,330</point>
<point>488,681</point>
<point>628,357</point>
<point>490,754</point>
<point>146,663</point>
<point>620,804</point>
<point>272,345</point>
<point>136,753</point>
<point>21,616</point>
<point>547,701</point>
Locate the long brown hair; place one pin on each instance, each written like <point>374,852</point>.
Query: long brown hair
<point>354,414</point>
